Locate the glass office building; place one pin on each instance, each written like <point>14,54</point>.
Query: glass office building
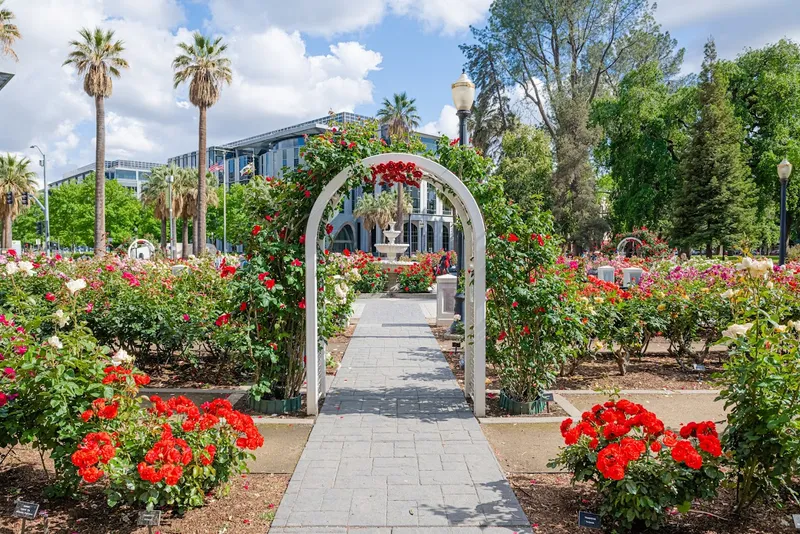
<point>428,228</point>
<point>130,174</point>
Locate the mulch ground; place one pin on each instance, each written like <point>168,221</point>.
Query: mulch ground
<point>248,508</point>
<point>552,504</point>
<point>208,372</point>
<point>655,370</point>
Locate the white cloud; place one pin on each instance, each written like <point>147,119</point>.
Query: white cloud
<point>332,17</point>
<point>450,15</point>
<point>676,13</point>
<point>146,118</point>
<point>447,124</point>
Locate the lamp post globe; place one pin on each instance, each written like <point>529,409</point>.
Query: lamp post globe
<point>784,171</point>
<point>463,91</point>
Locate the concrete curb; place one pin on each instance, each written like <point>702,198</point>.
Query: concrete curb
<point>522,420</point>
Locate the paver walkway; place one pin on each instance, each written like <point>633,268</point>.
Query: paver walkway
<point>396,448</point>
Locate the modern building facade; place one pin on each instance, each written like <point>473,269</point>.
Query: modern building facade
<point>5,77</point>
<point>428,228</point>
<point>130,174</point>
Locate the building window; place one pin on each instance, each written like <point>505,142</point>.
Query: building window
<point>267,167</point>
<point>429,238</point>
<point>414,198</point>
<point>445,236</point>
<point>285,160</point>
<point>414,236</point>
<point>231,170</point>
<point>344,239</point>
<point>431,200</point>
<point>296,157</point>
<point>193,163</point>
<point>122,174</point>
<point>446,208</point>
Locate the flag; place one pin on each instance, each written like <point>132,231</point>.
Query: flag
<point>216,168</point>
<point>247,170</point>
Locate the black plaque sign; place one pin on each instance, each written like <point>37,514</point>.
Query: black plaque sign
<point>26,510</point>
<point>589,520</point>
<point>151,518</point>
<point>796,519</point>
<point>699,367</point>
<point>547,397</point>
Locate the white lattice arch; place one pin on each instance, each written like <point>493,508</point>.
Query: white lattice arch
<point>468,212</point>
<point>622,244</point>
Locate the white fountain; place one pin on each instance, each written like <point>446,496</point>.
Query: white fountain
<point>390,248</point>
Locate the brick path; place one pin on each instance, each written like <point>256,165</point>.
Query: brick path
<point>396,449</point>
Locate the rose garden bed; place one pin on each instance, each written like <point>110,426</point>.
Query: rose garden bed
<point>247,508</point>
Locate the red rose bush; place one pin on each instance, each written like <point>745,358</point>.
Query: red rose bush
<point>640,469</point>
<point>171,454</point>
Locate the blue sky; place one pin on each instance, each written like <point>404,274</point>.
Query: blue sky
<point>292,61</point>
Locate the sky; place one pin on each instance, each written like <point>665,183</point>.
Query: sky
<point>292,61</point>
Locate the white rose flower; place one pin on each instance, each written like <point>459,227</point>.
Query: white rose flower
<point>729,294</point>
<point>745,264</point>
<point>736,330</point>
<point>61,318</point>
<point>456,317</point>
<point>780,328</point>
<point>76,285</point>
<point>11,267</point>
<point>26,267</point>
<point>53,341</point>
<point>120,357</point>
<point>341,292</point>
<point>770,285</point>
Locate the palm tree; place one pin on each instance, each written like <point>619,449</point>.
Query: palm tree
<point>379,210</point>
<point>185,192</point>
<point>97,57</point>
<point>15,178</point>
<point>9,33</point>
<point>154,194</point>
<point>401,117</point>
<point>204,64</point>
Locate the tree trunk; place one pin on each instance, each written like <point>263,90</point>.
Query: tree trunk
<point>7,237</point>
<point>709,251</point>
<point>100,178</point>
<point>185,242</point>
<point>200,229</point>
<point>399,225</point>
<point>163,233</point>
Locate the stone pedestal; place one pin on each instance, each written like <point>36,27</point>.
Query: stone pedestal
<point>631,275</point>
<point>606,273</point>
<point>445,299</point>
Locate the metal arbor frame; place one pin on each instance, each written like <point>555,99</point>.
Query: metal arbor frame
<point>469,213</point>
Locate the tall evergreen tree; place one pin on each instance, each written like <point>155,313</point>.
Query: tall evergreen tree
<point>716,203</point>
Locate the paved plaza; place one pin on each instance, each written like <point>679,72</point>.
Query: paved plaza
<point>396,448</point>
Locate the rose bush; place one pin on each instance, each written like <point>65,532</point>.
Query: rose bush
<point>640,469</point>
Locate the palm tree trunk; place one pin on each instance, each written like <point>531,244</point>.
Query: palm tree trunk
<point>399,225</point>
<point>163,233</point>
<point>200,227</point>
<point>7,237</point>
<point>100,178</point>
<point>185,242</point>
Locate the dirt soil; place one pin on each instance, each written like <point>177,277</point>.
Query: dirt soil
<point>247,509</point>
<point>652,371</point>
<point>337,345</point>
<point>209,373</point>
<point>656,370</point>
<point>552,505</point>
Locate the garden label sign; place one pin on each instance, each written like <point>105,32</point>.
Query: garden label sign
<point>150,519</point>
<point>26,510</point>
<point>589,520</point>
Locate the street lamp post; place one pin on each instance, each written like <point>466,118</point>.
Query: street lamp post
<point>463,97</point>
<point>43,164</point>
<point>784,170</point>
<point>172,238</point>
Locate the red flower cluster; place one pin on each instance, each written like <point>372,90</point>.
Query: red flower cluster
<point>242,423</point>
<point>613,421</point>
<point>119,375</point>
<point>166,460</point>
<point>395,172</point>
<point>96,448</point>
<point>132,280</point>
<point>601,286</point>
<point>223,319</point>
<point>101,409</point>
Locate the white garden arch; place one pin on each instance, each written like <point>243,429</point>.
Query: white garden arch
<point>468,212</point>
